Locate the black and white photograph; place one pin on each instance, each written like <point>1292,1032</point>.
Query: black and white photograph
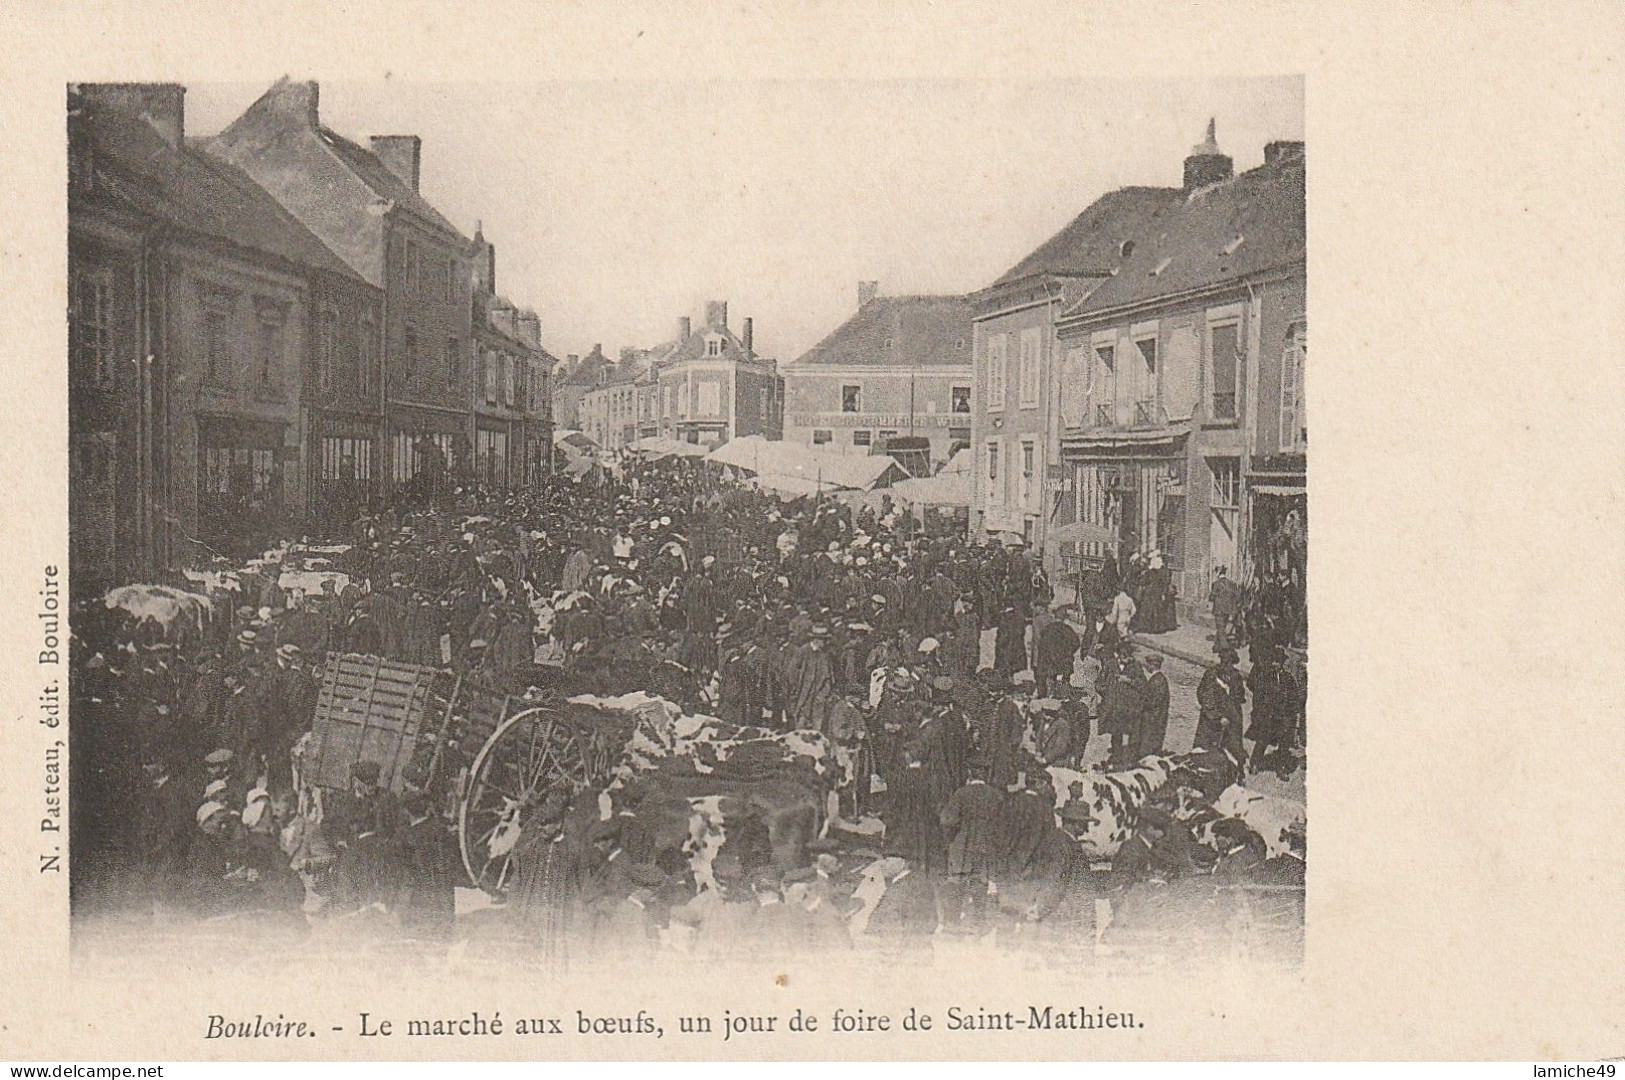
<point>526,527</point>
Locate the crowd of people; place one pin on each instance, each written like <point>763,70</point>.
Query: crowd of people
<point>850,619</point>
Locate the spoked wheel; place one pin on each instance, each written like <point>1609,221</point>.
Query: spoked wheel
<point>530,755</point>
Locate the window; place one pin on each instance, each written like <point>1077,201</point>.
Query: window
<point>90,326</point>
<point>1029,456</point>
<point>413,270</point>
<point>713,347</point>
<point>708,399</point>
<point>1225,344</point>
<point>862,437</point>
<point>454,360</point>
<point>886,435</point>
<point>346,459</point>
<point>1074,387</point>
<point>1031,367</point>
<point>1104,396</point>
<point>369,350</point>
<point>491,374</point>
<point>451,281</point>
<point>217,358</point>
<point>682,401</point>
<point>851,399</point>
<point>410,353</point>
<point>508,397</point>
<point>997,353</point>
<point>1294,429</point>
<point>822,437</point>
<point>1226,482</point>
<point>327,349</point>
<point>961,399</point>
<point>269,348</point>
<point>764,399</point>
<point>668,397</point>
<point>1145,406</point>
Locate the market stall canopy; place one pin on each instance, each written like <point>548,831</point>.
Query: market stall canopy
<point>943,489</point>
<point>821,469</point>
<point>960,464</point>
<point>574,439</point>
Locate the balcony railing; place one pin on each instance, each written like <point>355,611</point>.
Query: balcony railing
<point>1145,412</point>
<point>1105,415</point>
<point>1224,406</point>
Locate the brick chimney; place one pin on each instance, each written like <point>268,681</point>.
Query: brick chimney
<point>749,337</point>
<point>716,314</point>
<point>401,155</point>
<point>685,327</point>
<point>1206,164</point>
<point>485,261</point>
<point>867,291</point>
<point>161,105</point>
<point>1275,151</point>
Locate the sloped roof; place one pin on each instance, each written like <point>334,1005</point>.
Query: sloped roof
<point>1091,242</point>
<point>199,192</point>
<point>376,175</point>
<point>694,347</point>
<point>584,372</point>
<point>818,468</point>
<point>906,331</point>
<point>1195,245</point>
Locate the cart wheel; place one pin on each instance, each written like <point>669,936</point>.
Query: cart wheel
<point>529,755</point>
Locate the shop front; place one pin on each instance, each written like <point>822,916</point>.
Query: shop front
<point>1129,492</point>
<point>242,484</point>
<point>344,469</point>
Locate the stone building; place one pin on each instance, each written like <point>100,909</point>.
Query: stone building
<point>712,386</point>
<point>899,367</point>
<point>365,204</point>
<point>1181,409</point>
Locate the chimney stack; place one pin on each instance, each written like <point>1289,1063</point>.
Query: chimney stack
<point>1280,148</point>
<point>1206,164</point>
<point>684,328</point>
<point>401,155</point>
<point>716,314</point>
<point>161,105</point>
<point>750,335</point>
<point>867,291</point>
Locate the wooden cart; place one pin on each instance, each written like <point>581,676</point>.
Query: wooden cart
<point>494,756</point>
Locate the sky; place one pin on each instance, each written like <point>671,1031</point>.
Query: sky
<point>618,206</point>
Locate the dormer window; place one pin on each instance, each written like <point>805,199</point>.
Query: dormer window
<point>713,346</point>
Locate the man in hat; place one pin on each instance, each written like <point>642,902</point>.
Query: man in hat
<point>428,861</point>
<point>363,828</point>
<point>1224,597</point>
<point>1055,648</point>
<point>810,682</point>
<point>970,820</point>
<point>1154,698</point>
<point>1122,711</point>
<point>1220,698</point>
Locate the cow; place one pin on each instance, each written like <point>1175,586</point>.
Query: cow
<point>1101,810</point>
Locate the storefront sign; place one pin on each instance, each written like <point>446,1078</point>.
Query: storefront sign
<point>879,420</point>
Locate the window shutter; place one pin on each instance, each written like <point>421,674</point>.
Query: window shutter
<point>1182,373</point>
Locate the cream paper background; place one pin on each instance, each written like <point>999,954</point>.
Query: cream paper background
<point>1466,895</point>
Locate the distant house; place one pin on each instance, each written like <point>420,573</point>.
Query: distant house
<point>900,366</point>
<point>712,386</point>
<point>513,421</point>
<point>571,382</point>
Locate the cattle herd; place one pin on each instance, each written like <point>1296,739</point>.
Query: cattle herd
<point>809,750</point>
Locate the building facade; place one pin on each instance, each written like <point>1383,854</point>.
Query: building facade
<point>571,382</point>
<point>512,421</point>
<point>712,387</point>
<point>238,321</point>
<point>364,203</point>
<point>1018,485</point>
<point>900,367</point>
<point>1181,408</point>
